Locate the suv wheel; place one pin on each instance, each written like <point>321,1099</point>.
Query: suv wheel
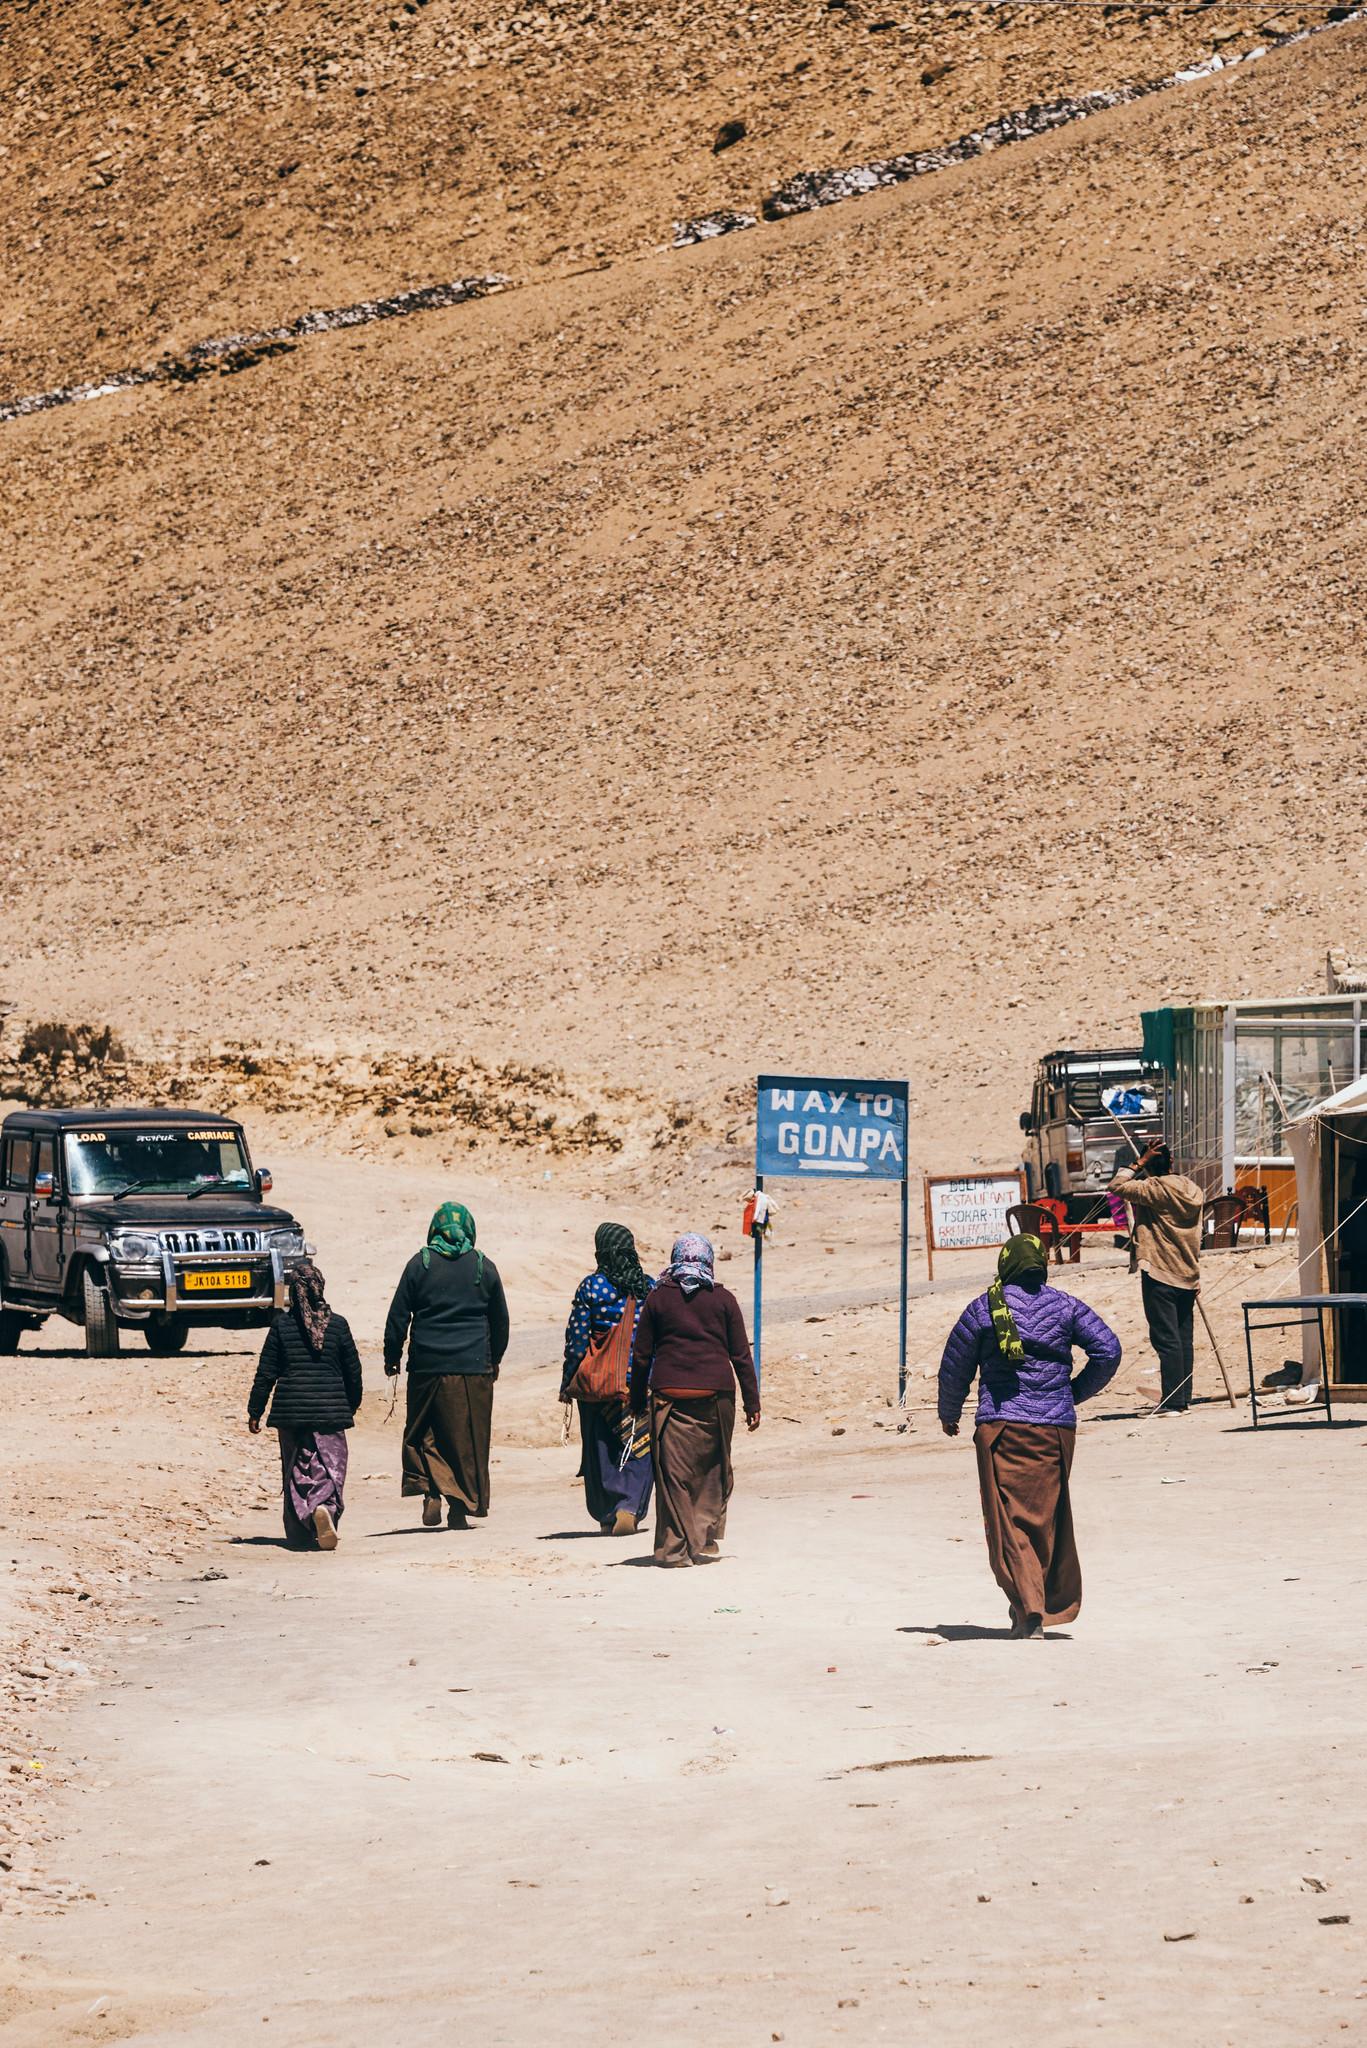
<point>10,1327</point>
<point>164,1339</point>
<point>101,1330</point>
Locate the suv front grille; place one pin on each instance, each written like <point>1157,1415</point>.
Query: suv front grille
<point>202,1241</point>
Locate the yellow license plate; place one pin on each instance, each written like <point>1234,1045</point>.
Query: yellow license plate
<point>214,1283</point>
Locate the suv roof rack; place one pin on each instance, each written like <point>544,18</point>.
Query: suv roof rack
<point>68,1119</point>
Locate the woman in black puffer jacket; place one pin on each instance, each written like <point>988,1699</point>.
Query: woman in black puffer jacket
<point>310,1359</point>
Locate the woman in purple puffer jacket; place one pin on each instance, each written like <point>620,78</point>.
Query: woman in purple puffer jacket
<point>1019,1338</point>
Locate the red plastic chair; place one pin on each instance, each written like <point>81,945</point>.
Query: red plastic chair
<point>1033,1219</point>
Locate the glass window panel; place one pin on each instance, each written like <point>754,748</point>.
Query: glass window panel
<point>1313,1064</point>
<point>1255,1053</point>
<point>1305,1061</point>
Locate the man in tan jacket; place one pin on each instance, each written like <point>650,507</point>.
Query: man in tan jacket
<point>1167,1226</point>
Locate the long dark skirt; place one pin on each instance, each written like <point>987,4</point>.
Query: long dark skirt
<point>690,1441</point>
<point>312,1475</point>
<point>446,1438</point>
<point>608,1484</point>
<point>1023,1472</point>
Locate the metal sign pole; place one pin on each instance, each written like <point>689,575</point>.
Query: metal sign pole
<point>902,1327</point>
<point>759,1280</point>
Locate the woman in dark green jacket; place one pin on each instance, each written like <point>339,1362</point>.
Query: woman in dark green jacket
<point>450,1307</point>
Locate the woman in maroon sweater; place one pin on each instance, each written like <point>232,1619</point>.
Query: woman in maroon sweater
<point>691,1349</point>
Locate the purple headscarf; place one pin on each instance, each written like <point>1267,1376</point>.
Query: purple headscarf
<point>690,1262</point>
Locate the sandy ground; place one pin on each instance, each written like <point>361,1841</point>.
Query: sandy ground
<point>263,1799</point>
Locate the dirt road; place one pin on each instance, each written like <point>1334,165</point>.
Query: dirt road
<point>269,1801</point>
<point>274,1785</point>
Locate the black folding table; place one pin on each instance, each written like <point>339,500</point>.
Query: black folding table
<point>1295,1311</point>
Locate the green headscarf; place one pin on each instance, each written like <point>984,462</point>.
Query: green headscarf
<point>614,1247</point>
<point>451,1234</point>
<point>1018,1256</point>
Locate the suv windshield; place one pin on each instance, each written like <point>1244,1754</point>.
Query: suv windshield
<point>176,1162</point>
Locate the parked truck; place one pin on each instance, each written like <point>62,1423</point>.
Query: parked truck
<point>1071,1138</point>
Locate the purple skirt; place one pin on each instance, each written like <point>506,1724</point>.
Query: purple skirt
<point>313,1474</point>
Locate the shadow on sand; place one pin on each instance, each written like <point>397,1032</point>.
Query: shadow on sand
<point>1288,1419</point>
<point>139,1354</point>
<point>970,1632</point>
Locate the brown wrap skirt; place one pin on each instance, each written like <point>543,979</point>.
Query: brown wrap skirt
<point>690,1442</point>
<point>1023,1472</point>
<point>446,1437</point>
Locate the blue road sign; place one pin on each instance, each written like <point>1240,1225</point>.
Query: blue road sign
<point>854,1129</point>
<point>812,1126</point>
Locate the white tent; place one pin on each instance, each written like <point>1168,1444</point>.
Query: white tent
<point>1328,1143</point>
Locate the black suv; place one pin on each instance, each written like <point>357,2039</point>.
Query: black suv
<point>148,1219</point>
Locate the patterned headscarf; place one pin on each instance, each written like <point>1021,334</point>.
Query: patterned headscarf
<point>1018,1256</point>
<point>311,1312</point>
<point>614,1248</point>
<point>690,1262</point>
<point>451,1234</point>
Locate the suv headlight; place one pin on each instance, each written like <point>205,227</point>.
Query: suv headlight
<point>135,1248</point>
<point>285,1240</point>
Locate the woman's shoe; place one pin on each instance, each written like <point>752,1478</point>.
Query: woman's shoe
<point>431,1512</point>
<point>326,1529</point>
<point>625,1524</point>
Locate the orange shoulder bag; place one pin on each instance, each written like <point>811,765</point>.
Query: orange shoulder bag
<point>604,1370</point>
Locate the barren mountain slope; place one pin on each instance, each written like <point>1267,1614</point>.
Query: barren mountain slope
<point>180,167</point>
<point>902,639</point>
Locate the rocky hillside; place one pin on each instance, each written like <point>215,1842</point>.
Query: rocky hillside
<point>902,638</point>
<point>382,1098</point>
<point>180,168</point>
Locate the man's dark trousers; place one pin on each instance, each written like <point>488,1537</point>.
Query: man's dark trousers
<point>1170,1311</point>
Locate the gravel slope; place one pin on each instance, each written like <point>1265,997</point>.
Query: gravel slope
<point>198,168</point>
<point>903,638</point>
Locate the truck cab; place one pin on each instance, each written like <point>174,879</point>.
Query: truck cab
<point>137,1219</point>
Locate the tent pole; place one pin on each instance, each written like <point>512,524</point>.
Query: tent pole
<point>1216,1349</point>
